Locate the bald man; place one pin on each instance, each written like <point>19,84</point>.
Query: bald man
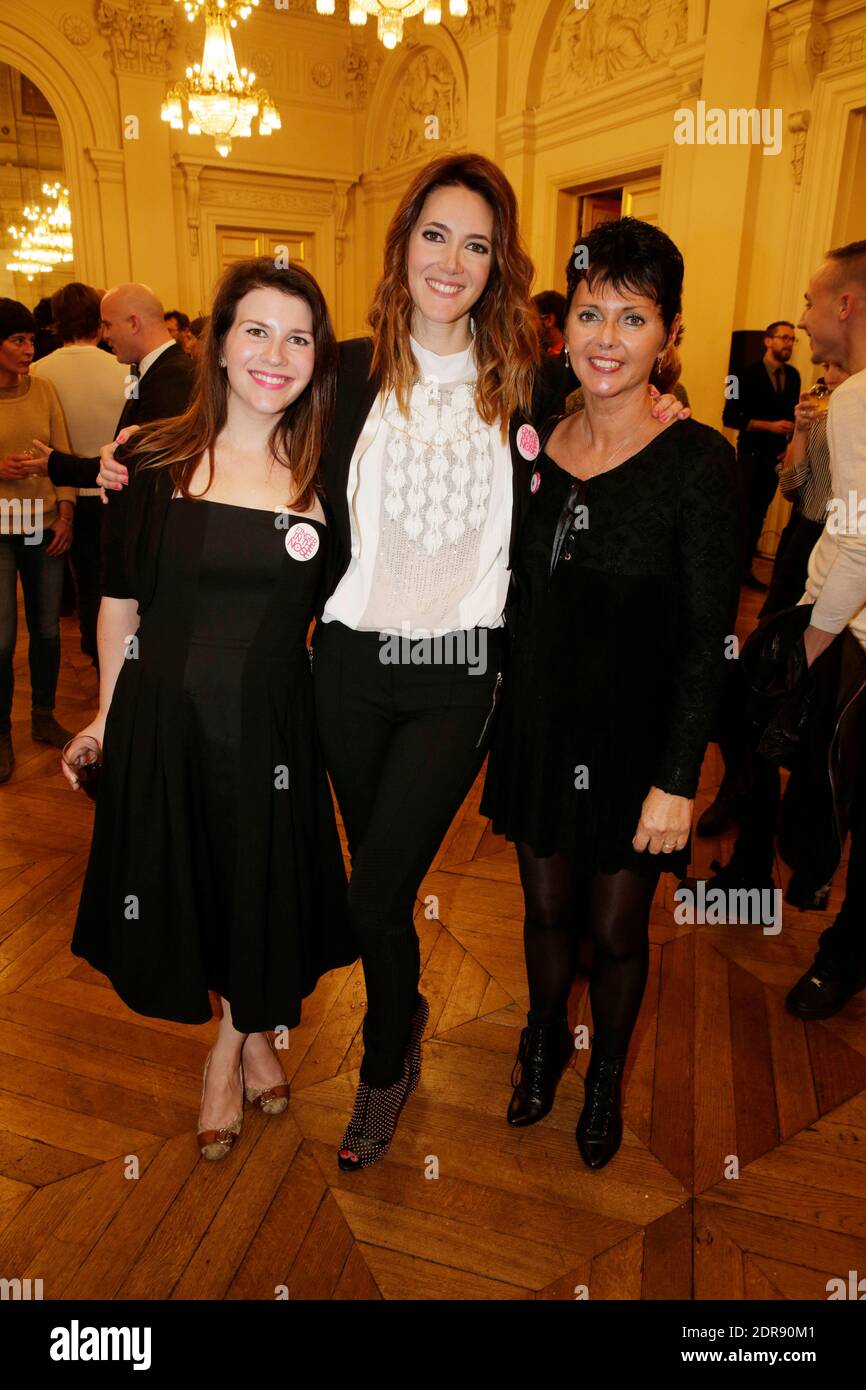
<point>159,384</point>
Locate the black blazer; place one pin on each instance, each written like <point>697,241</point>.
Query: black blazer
<point>759,400</point>
<point>163,391</point>
<point>132,531</point>
<point>356,394</point>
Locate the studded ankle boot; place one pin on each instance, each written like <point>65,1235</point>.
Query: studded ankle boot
<point>377,1109</point>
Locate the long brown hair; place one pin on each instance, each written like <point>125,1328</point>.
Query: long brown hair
<point>506,344</point>
<point>298,434</point>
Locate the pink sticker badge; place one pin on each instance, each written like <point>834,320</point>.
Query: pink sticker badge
<point>535,481</point>
<point>302,541</point>
<point>528,443</point>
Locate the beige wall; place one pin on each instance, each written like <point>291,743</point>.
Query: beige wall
<point>561,98</point>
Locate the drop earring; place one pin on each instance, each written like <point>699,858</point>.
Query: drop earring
<point>472,325</point>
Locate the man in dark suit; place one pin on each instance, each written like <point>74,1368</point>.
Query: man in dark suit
<point>160,382</point>
<point>763,412</point>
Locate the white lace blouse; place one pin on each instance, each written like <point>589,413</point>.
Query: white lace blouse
<point>430,502</point>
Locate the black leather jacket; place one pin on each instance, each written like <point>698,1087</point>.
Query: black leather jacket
<point>811,720</point>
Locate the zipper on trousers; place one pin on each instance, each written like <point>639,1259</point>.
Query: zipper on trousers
<point>492,708</point>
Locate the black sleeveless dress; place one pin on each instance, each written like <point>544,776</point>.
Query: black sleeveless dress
<point>617,657</point>
<point>215,862</point>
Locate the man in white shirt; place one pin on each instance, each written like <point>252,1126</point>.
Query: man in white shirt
<point>835,320</point>
<point>835,735</point>
<point>90,384</point>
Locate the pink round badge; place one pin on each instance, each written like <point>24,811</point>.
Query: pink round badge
<point>528,443</point>
<point>535,481</point>
<point>302,541</point>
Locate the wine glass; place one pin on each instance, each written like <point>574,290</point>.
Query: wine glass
<point>820,396</point>
<point>85,762</point>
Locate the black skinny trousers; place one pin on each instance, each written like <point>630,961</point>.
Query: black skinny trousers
<point>403,744</point>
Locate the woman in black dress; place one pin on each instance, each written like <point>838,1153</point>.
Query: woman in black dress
<point>625,591</point>
<point>215,863</point>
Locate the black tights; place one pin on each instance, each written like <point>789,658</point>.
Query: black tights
<point>614,909</point>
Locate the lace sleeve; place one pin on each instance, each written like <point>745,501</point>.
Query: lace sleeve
<point>709,549</point>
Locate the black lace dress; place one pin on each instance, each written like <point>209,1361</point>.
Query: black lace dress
<point>618,656</point>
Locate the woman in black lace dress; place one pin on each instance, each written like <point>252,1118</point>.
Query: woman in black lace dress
<point>624,593</point>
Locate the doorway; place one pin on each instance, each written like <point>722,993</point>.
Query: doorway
<point>582,207</point>
<point>245,243</point>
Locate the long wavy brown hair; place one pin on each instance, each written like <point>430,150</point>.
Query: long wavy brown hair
<point>506,342</point>
<point>298,434</point>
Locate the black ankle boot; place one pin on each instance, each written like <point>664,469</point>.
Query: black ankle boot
<point>541,1059</point>
<point>599,1129</point>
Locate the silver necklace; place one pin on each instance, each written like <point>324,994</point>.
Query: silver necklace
<point>595,472</point>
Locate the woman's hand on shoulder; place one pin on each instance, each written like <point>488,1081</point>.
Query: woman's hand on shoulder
<point>668,407</point>
<point>665,822</point>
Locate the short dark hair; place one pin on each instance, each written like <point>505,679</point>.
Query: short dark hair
<point>76,311</point>
<point>628,254</point>
<point>551,302</point>
<point>197,326</point>
<point>182,318</point>
<point>15,317</point>
<point>779,323</point>
<point>42,312</point>
<point>850,261</point>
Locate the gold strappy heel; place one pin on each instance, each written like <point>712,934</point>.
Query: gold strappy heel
<point>215,1143</point>
<point>271,1100</point>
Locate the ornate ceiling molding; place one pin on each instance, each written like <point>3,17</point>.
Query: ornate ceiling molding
<point>140,36</point>
<point>76,29</point>
<point>798,28</point>
<point>428,99</point>
<point>265,199</point>
<point>606,41</point>
<point>484,17</point>
<point>359,72</point>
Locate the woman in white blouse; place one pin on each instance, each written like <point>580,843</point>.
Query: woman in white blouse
<point>427,468</point>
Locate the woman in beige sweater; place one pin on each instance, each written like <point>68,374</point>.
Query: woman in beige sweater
<point>35,530</point>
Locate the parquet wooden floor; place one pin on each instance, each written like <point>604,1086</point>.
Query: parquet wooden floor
<point>463,1207</point>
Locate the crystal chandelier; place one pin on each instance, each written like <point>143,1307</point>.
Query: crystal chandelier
<point>46,239</point>
<point>222,99</point>
<point>390,14</point>
<point>233,10</point>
